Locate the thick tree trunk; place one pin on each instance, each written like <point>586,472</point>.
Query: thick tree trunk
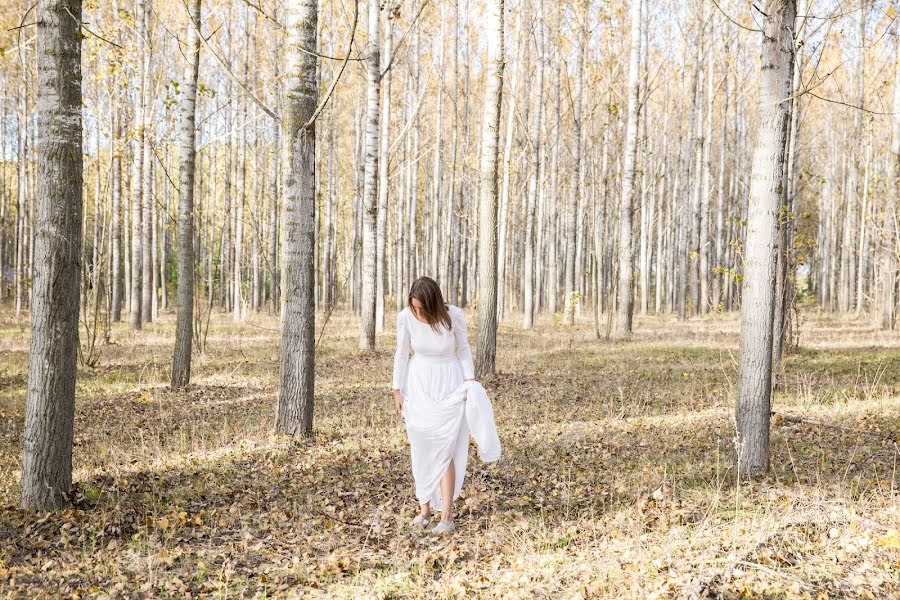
<point>50,401</point>
<point>625,308</point>
<point>297,373</point>
<point>184,327</point>
<point>486,342</point>
<point>370,185</point>
<point>757,300</point>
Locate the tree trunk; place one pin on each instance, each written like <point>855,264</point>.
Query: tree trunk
<point>757,300</point>
<point>383,179</point>
<point>486,343</point>
<point>184,327</point>
<point>625,309</point>
<point>575,187</point>
<point>137,180</point>
<point>533,177</point>
<point>50,401</point>
<point>148,291</point>
<point>889,247</point>
<point>116,220</point>
<point>681,216</point>
<point>297,372</point>
<point>707,192</point>
<point>370,185</point>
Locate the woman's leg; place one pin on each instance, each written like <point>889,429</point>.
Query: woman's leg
<point>425,510</point>
<point>448,482</point>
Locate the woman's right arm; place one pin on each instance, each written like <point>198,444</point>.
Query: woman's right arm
<point>401,356</point>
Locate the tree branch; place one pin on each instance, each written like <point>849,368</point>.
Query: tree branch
<point>337,78</point>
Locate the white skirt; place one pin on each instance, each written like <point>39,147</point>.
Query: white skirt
<point>434,412</point>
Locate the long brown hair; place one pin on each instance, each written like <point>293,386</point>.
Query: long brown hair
<point>434,310</point>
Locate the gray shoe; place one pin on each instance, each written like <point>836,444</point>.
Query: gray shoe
<point>419,521</point>
<point>444,528</point>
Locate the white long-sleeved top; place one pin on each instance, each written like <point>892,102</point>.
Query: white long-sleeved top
<point>414,336</point>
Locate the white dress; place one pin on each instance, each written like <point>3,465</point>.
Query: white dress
<point>431,385</point>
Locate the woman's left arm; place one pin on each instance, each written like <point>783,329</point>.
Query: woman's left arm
<point>464,351</point>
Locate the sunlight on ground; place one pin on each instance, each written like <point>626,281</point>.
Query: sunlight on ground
<point>617,477</point>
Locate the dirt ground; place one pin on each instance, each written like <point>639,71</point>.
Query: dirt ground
<point>617,478</point>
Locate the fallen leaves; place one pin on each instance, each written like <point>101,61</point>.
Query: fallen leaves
<point>616,482</point>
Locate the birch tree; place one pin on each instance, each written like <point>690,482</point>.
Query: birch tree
<point>757,305</point>
<point>575,187</point>
<point>137,202</point>
<point>184,327</point>
<point>534,155</point>
<point>486,342</point>
<point>383,164</point>
<point>625,310</point>
<point>50,399</point>
<point>370,182</point>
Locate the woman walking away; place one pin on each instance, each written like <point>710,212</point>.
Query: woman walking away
<point>430,391</point>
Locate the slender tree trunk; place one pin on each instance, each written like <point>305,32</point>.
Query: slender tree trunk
<point>575,187</point>
<point>757,299</point>
<point>889,245</point>
<point>707,192</point>
<point>137,180</point>
<point>116,220</point>
<point>718,249</point>
<point>50,401</point>
<point>384,140</point>
<point>436,180</point>
<point>503,217</point>
<point>148,291</point>
<point>891,235</point>
<point>533,178</point>
<point>486,343</point>
<point>626,250</point>
<point>184,327</point>
<point>370,195</point>
<point>681,216</point>
<point>297,372</point>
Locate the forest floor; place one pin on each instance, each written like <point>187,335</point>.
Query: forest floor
<point>617,478</point>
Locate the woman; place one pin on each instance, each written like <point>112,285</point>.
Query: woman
<point>429,393</point>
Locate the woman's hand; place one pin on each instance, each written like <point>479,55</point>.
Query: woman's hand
<point>398,402</point>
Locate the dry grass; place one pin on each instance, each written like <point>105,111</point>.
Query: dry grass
<point>616,480</point>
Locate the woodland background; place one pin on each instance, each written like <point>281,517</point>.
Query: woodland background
<point>623,156</point>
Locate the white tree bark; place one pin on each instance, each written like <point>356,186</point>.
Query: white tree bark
<point>758,294</point>
<point>575,187</point>
<point>184,326</point>
<point>625,308</point>
<point>137,168</point>
<point>533,179</point>
<point>148,291</point>
<point>486,341</point>
<point>50,399</point>
<point>383,180</point>
<point>370,181</point>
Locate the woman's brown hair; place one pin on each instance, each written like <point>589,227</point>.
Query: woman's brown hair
<point>434,309</point>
